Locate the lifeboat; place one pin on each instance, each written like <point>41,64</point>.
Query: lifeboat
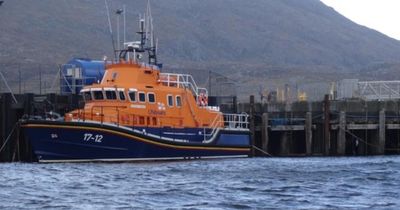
<point>137,112</point>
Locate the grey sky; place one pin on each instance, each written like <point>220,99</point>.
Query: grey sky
<point>381,15</point>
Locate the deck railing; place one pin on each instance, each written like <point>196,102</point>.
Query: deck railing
<point>224,121</point>
<point>117,116</point>
<point>236,121</point>
<point>229,121</point>
<point>182,81</point>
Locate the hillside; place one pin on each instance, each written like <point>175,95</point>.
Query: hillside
<point>257,43</point>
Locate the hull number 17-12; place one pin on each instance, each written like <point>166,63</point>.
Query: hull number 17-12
<point>91,137</point>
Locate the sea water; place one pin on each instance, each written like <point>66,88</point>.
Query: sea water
<point>247,183</point>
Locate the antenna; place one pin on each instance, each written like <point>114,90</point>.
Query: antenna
<point>142,28</point>
<point>110,29</point>
<point>118,12</point>
<point>146,42</point>
<point>123,7</point>
<point>150,24</point>
<point>156,47</point>
<point>152,50</point>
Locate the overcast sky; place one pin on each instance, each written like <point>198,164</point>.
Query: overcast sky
<point>381,15</point>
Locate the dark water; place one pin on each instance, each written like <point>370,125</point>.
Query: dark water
<point>271,183</point>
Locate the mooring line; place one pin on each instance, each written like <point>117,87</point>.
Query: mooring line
<point>9,136</point>
<point>358,138</point>
<point>262,151</point>
<point>365,142</point>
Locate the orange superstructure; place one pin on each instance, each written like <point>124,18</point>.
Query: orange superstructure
<point>133,94</point>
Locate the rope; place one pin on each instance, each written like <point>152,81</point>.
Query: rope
<point>8,87</point>
<point>262,151</point>
<point>365,142</point>
<point>358,138</point>
<point>9,137</point>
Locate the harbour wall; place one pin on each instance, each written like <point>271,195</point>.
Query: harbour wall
<point>323,128</point>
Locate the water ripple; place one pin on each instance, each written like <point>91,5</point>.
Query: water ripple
<point>258,183</point>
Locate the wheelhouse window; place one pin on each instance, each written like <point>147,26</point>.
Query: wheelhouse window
<point>142,97</point>
<point>121,94</point>
<point>132,94</point>
<point>86,95</point>
<point>98,95</point>
<point>151,97</point>
<point>110,94</point>
<point>178,101</point>
<point>170,100</point>
<point>114,76</point>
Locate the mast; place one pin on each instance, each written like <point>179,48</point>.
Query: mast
<point>110,29</point>
<point>147,41</point>
<point>152,49</point>
<point>124,9</point>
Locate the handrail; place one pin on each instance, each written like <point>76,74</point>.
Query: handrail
<point>191,109</point>
<point>214,125</point>
<point>102,112</point>
<point>96,113</point>
<point>236,121</point>
<point>230,122</point>
<point>221,121</point>
<point>82,115</point>
<point>182,81</point>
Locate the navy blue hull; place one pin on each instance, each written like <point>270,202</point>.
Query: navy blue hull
<point>63,141</point>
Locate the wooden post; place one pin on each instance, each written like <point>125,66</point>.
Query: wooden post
<point>341,137</point>
<point>26,148</point>
<point>17,139</point>
<point>2,125</point>
<point>5,129</point>
<point>234,102</point>
<point>308,132</point>
<point>382,133</point>
<point>327,140</point>
<point>252,125</point>
<point>28,100</point>
<point>264,132</point>
<point>284,144</point>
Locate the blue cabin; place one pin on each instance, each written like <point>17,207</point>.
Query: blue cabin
<point>78,73</point>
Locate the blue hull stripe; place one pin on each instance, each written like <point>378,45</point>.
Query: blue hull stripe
<point>194,147</point>
<point>69,142</point>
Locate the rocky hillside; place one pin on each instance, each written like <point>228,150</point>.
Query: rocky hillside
<point>262,43</point>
